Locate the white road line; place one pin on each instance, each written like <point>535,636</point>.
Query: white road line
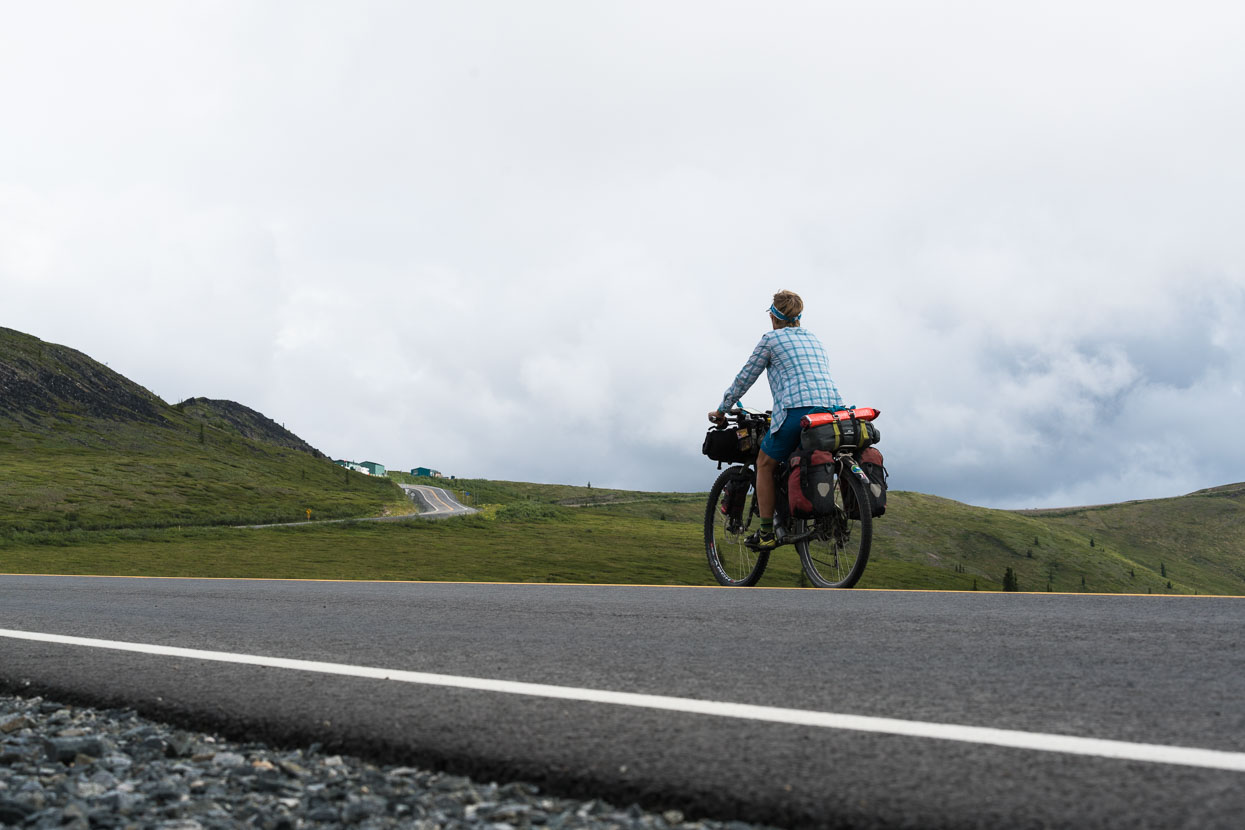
<point>1036,741</point>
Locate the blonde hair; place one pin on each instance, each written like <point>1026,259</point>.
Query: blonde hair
<point>791,306</point>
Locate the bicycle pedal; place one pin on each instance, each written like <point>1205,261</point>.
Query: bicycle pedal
<point>760,544</point>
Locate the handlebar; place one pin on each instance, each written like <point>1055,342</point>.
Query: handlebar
<point>743,416</point>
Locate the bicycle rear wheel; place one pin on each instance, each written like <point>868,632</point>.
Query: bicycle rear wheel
<point>730,516</point>
<point>836,555</point>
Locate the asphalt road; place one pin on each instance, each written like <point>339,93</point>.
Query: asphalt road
<point>1163,672</point>
<point>437,503</point>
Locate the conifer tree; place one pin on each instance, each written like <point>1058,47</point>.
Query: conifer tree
<point>1010,582</point>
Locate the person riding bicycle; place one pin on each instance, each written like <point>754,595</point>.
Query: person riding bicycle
<point>800,382</point>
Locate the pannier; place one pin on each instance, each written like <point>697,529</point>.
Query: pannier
<point>732,445</point>
<point>839,434</point>
<point>734,497</point>
<point>871,463</point>
<point>810,486</point>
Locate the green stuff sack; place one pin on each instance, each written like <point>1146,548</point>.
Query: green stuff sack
<point>837,435</point>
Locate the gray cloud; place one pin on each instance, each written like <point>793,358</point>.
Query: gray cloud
<point>535,242</point>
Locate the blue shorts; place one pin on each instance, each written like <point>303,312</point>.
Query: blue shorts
<point>779,445</point>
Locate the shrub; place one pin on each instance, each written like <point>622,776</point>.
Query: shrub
<point>519,511</point>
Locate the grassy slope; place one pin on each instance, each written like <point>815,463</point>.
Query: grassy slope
<point>927,541</point>
<point>1198,540</point>
<point>89,474</point>
<point>536,533</point>
<point>584,546</point>
<point>531,532</point>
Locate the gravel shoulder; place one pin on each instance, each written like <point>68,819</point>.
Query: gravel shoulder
<point>78,767</point>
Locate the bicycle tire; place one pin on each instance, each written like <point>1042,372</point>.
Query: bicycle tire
<point>733,563</point>
<point>836,556</point>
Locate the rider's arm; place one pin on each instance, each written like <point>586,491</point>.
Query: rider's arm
<point>757,363</point>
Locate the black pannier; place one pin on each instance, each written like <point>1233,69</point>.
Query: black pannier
<point>732,445</point>
<point>836,435</point>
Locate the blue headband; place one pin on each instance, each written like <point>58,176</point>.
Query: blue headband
<point>784,318</point>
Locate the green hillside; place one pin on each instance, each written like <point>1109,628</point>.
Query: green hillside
<point>84,448</point>
<point>1196,543</point>
<point>555,533</point>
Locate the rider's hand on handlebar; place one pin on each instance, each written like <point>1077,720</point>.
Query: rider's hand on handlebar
<point>718,418</point>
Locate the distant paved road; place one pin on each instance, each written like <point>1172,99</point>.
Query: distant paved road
<point>721,702</point>
<point>437,502</point>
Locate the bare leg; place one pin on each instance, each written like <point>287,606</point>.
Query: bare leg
<point>766,467</point>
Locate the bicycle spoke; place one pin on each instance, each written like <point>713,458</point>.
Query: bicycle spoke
<point>729,519</point>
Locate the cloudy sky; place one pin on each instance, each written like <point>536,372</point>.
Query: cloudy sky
<point>535,240</point>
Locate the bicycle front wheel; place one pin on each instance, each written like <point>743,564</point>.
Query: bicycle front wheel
<point>836,554</point>
<point>730,516</point>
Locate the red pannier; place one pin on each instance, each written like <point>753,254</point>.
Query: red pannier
<point>810,485</point>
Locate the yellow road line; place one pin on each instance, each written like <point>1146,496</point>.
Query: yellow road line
<point>826,591</point>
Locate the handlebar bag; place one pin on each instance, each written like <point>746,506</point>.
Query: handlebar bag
<point>836,435</point>
<point>810,483</point>
<point>732,445</point>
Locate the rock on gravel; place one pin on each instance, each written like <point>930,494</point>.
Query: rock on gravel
<point>81,768</point>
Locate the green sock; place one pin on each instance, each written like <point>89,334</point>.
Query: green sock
<point>767,525</point>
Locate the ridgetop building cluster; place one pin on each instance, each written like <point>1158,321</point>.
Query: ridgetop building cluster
<point>371,468</point>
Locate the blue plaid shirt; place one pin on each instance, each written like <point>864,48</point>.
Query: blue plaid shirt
<point>799,373</point>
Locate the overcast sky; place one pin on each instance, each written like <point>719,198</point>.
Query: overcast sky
<point>535,241</point>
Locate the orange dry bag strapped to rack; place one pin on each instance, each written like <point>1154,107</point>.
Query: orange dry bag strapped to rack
<point>862,413</point>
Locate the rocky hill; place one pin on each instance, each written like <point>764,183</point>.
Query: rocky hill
<point>39,379</point>
<point>245,421</point>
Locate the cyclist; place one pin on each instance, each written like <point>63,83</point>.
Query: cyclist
<point>800,382</point>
